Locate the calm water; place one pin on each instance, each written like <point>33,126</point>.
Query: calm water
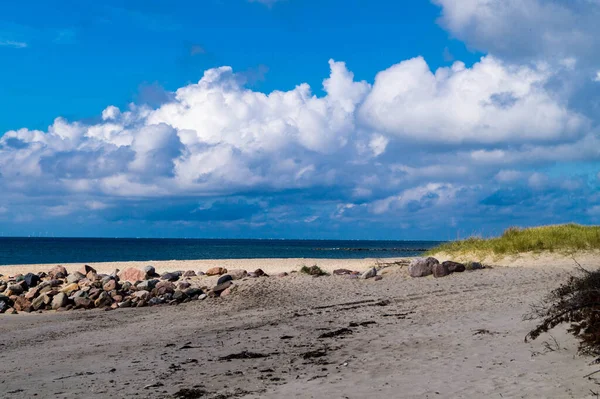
<point>15,251</point>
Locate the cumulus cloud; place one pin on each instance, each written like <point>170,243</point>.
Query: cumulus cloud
<point>219,151</point>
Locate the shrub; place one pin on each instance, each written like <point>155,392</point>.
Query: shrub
<point>576,302</point>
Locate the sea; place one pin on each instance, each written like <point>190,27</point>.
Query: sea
<point>22,251</point>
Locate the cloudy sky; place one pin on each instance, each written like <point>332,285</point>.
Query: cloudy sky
<point>298,118</point>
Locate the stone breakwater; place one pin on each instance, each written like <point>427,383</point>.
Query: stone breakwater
<point>58,290</point>
<point>86,289</point>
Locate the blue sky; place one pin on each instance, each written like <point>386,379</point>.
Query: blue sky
<point>297,118</point>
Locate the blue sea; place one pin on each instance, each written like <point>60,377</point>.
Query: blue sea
<point>20,251</point>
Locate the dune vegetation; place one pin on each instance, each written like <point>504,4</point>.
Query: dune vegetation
<point>564,238</point>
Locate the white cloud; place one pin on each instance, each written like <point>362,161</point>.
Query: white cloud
<point>488,103</point>
<point>361,149</point>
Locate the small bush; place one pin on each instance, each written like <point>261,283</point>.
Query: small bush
<point>313,271</point>
<point>576,302</point>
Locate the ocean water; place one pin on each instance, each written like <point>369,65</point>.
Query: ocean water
<point>19,251</point>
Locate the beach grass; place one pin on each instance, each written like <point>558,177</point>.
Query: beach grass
<point>564,238</point>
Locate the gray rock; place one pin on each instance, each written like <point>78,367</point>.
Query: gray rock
<point>422,267</point>
<point>440,270</point>
<point>238,274</point>
<point>170,276</point>
<point>454,267</point>
<point>147,285</point>
<point>222,287</point>
<point>372,272</point>
<point>224,278</point>
<point>75,277</point>
<point>59,300</point>
<point>477,266</point>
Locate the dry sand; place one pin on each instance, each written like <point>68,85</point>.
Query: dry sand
<point>456,337</point>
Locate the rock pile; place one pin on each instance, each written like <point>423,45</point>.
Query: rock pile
<point>86,289</point>
<point>422,267</point>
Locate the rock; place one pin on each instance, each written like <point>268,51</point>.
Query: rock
<point>70,288</point>
<point>227,291</point>
<point>189,273</point>
<point>422,267</point>
<point>164,287</point>
<point>378,278</point>
<point>216,271</point>
<point>200,273</point>
<point>477,266</point>
<point>111,285</point>
<point>182,285</point>
<point>191,292</point>
<point>14,289</point>
<point>224,278</point>
<point>147,285</point>
<point>150,271</point>
<point>75,277</point>
<point>83,302</point>
<point>22,305</point>
<point>58,272</point>
<point>125,304</point>
<point>221,287</point>
<point>59,300</point>
<point>5,303</point>
<point>351,276</point>
<point>86,269</point>
<point>143,294</point>
<point>170,276</point>
<point>372,272</point>
<point>32,293</point>
<point>202,297</point>
<point>454,267</point>
<point>440,270</point>
<point>31,280</point>
<point>116,297</point>
<point>238,274</point>
<point>132,275</point>
<point>179,295</point>
<point>284,274</point>
<point>154,301</point>
<point>342,272</point>
<point>103,300</point>
<point>40,301</point>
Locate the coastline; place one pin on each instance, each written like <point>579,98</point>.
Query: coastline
<point>268,265</point>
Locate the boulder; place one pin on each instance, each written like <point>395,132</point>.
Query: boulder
<point>31,293</point>
<point>454,267</point>
<point>190,292</point>
<point>103,300</point>
<point>150,271</point>
<point>224,278</point>
<point>189,273</point>
<point>372,272</point>
<point>422,267</point>
<point>260,273</point>
<point>132,275</point>
<point>5,303</point>
<point>164,287</point>
<point>75,277</point>
<point>179,295</point>
<point>147,285</point>
<point>221,287</point>
<point>170,276</point>
<point>111,285</point>
<point>143,294</point>
<point>59,300</point>
<point>31,280</point>
<point>83,302</point>
<point>216,271</point>
<point>237,274</point>
<point>86,269</point>
<point>378,278</point>
<point>23,305</point>
<point>182,285</point>
<point>70,288</point>
<point>39,302</point>
<point>14,289</point>
<point>440,270</point>
<point>58,272</point>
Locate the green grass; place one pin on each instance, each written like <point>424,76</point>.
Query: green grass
<point>566,238</point>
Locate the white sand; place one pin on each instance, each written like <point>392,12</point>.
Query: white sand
<point>422,342</point>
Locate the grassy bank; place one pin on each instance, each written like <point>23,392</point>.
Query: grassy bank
<point>565,238</point>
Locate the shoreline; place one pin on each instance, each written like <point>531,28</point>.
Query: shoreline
<point>268,265</point>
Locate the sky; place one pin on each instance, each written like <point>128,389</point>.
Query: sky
<point>331,119</point>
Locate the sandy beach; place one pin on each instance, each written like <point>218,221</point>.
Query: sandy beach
<point>461,336</point>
